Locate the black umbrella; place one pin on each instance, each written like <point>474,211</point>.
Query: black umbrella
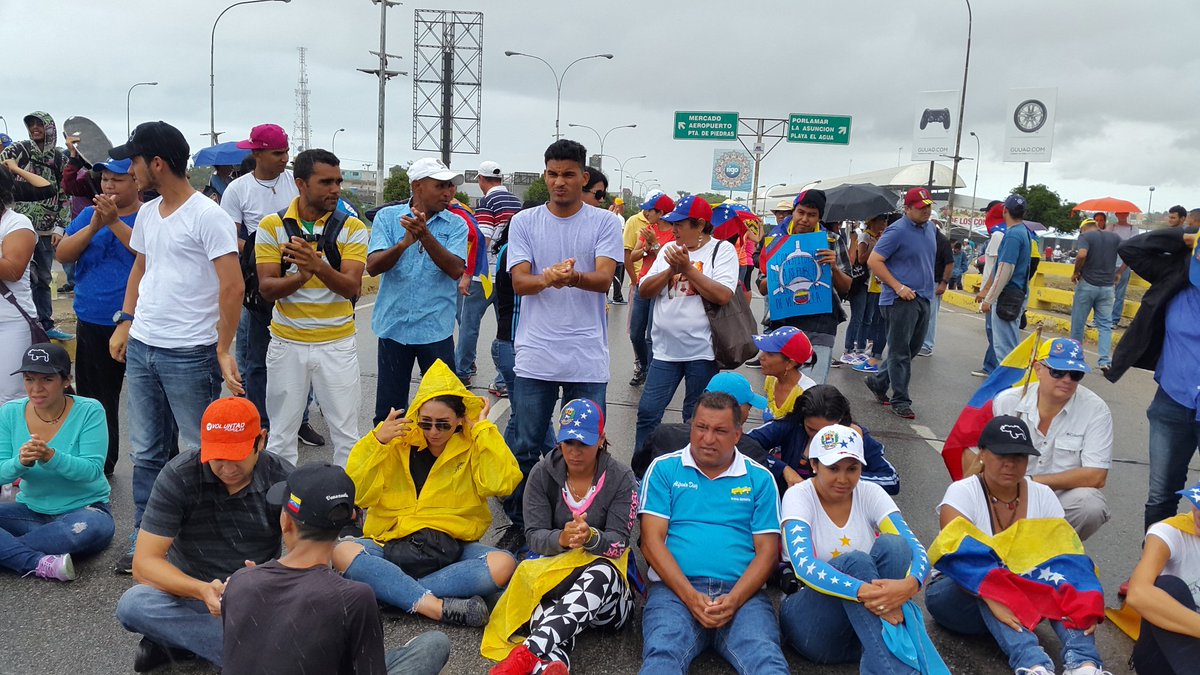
<point>858,202</point>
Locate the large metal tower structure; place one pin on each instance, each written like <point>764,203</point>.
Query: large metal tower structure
<point>447,81</point>
<point>302,133</point>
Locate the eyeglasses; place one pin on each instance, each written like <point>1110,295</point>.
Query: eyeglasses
<point>440,426</point>
<point>600,194</point>
<point>1075,375</point>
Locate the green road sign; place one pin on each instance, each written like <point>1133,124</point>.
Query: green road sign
<point>706,126</point>
<point>828,129</point>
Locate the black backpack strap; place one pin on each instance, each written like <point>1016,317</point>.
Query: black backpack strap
<point>327,244</point>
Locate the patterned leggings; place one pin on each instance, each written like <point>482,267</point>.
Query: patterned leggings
<point>598,597</point>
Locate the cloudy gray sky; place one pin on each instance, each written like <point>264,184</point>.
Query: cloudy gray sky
<point>1126,80</point>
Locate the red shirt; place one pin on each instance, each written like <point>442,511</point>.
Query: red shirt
<point>664,237</point>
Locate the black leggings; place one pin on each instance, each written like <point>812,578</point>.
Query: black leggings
<point>1161,652</point>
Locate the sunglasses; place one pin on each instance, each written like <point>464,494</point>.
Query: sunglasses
<point>600,194</point>
<point>1075,375</point>
<point>440,426</point>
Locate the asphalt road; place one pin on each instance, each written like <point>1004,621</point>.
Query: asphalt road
<point>70,629</point>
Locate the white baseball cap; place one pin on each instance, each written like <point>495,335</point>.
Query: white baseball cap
<point>432,167</point>
<point>835,443</point>
<point>491,169</point>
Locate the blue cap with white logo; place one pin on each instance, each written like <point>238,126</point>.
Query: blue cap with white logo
<point>581,420</point>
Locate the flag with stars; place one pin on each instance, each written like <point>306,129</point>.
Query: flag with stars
<point>1037,568</point>
<point>476,263</point>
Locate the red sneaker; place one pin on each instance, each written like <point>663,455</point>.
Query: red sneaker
<point>556,668</point>
<point>1123,590</point>
<point>520,661</point>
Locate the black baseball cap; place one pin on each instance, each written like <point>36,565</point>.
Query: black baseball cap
<point>318,495</point>
<point>46,358</point>
<point>1007,435</point>
<point>153,139</point>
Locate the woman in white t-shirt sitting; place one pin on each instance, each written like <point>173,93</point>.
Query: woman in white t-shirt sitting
<point>993,501</point>
<point>1165,590</point>
<point>693,269</point>
<point>17,241</point>
<point>859,561</point>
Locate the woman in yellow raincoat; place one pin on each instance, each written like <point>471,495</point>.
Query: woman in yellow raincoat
<point>424,479</point>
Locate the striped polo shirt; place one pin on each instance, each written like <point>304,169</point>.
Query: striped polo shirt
<point>313,313</point>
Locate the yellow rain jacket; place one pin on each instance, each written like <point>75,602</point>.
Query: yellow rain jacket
<point>476,464</point>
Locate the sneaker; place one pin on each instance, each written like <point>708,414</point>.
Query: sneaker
<point>55,568</point>
<point>881,396</point>
<point>151,655</point>
<point>753,363</point>
<point>851,358</point>
<point>1086,669</point>
<point>125,562</point>
<point>639,377</point>
<point>472,611</point>
<point>499,391</point>
<point>557,668</point>
<point>1036,670</point>
<point>66,288</point>
<point>57,334</point>
<point>309,436</point>
<point>519,661</point>
<point>980,373</point>
<point>512,540</point>
<point>867,367</point>
<point>904,410</point>
<point>622,301</point>
<point>925,352</point>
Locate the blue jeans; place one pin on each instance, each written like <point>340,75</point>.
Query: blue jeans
<point>856,331</point>
<point>253,338</point>
<point>960,612</point>
<point>40,279</point>
<point>1006,335</point>
<point>819,371</point>
<point>672,639</point>
<point>641,320</point>
<point>1174,438</point>
<point>930,333</point>
<point>907,321</point>
<point>825,629</point>
<point>172,621</point>
<point>165,383</point>
<point>875,326</point>
<point>26,536</point>
<point>471,309</point>
<point>990,362</point>
<point>532,410</point>
<point>504,357</point>
<point>662,380</point>
<point>395,371</point>
<point>1118,309</point>
<point>1089,298</point>
<point>463,579</point>
<point>426,654</point>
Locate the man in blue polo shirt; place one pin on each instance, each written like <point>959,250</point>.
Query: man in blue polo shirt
<point>1011,275</point>
<point>419,247</point>
<point>903,261</point>
<point>710,533</point>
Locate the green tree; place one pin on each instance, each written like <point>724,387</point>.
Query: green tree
<point>1047,208</point>
<point>538,192</point>
<point>358,205</point>
<point>712,197</point>
<point>198,176</point>
<point>396,187</point>
<point>463,197</point>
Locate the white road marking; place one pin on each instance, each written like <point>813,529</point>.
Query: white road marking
<point>498,409</point>
<point>929,437</point>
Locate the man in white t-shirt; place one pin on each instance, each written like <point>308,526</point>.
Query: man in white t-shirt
<point>994,221</point>
<point>562,257</point>
<point>268,189</point>
<point>1072,428</point>
<point>176,327</point>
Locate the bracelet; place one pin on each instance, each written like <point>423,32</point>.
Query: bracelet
<point>594,536</point>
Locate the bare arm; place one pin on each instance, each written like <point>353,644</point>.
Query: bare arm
<point>597,281</point>
<point>33,179</point>
<point>1077,273</point>
<point>151,567</point>
<point>878,267</point>
<point>379,262</point>
<point>658,556</point>
<point>1073,478</point>
<point>18,249</point>
<point>232,290</point>
<point>1153,603</point>
<point>449,263</point>
<point>651,286</point>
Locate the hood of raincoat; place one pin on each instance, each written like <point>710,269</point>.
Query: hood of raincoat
<point>439,380</point>
<point>46,160</point>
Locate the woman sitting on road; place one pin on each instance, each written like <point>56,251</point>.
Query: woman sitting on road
<point>787,439</point>
<point>785,351</point>
<point>859,561</point>
<point>993,501</point>
<point>1165,590</point>
<point>55,443</point>
<point>424,479</point>
<point>580,508</point>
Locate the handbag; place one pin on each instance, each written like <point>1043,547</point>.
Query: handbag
<point>37,334</point>
<point>732,326</point>
<point>1008,304</point>
<point>423,552</point>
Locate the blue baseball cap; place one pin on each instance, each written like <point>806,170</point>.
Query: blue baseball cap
<point>581,420</point>
<point>114,165</point>
<point>787,340</point>
<point>1192,494</point>
<point>690,206</point>
<point>1016,205</point>
<point>1063,354</point>
<point>738,387</point>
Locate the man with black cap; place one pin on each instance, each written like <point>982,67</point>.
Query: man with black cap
<point>182,303</point>
<point>1005,296</point>
<point>903,260</point>
<point>807,211</point>
<point>296,614</point>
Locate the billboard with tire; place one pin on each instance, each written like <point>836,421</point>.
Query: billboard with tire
<point>1029,124</point>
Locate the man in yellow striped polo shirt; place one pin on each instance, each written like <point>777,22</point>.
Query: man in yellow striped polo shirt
<point>310,262</point>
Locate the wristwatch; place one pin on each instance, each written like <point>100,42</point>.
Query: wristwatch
<point>122,316</point>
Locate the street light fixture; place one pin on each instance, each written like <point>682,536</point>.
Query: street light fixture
<point>5,124</point>
<point>558,79</point>
<point>333,143</point>
<point>1149,203</point>
<point>604,137</point>
<point>621,168</point>
<point>212,86</point>
<point>128,127</point>
<point>975,190</point>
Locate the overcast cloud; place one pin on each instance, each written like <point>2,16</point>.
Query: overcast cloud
<point>1126,81</point>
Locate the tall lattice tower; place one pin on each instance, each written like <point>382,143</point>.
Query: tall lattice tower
<point>302,134</point>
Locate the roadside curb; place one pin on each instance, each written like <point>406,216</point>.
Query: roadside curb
<point>1034,317</point>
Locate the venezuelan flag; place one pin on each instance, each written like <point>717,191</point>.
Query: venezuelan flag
<point>1037,568</point>
<point>476,253</point>
<point>1014,371</point>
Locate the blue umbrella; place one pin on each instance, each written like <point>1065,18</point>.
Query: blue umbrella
<point>221,154</point>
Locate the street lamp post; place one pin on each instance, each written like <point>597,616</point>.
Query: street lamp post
<point>634,178</point>
<point>558,80</point>
<point>1150,203</point>
<point>128,127</point>
<point>333,143</point>
<point>5,124</point>
<point>898,151</point>
<point>962,104</point>
<point>602,138</point>
<point>975,190</point>
<point>212,79</point>
<point>621,168</point>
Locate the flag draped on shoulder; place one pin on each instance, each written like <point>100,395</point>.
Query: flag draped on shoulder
<point>1014,371</point>
<point>477,260</point>
<point>1037,568</point>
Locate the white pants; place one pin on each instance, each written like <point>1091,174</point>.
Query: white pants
<point>331,369</point>
<point>14,340</point>
<point>1085,508</point>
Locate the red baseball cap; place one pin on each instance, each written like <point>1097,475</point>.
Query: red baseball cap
<point>690,206</point>
<point>917,196</point>
<point>265,137</point>
<point>229,429</point>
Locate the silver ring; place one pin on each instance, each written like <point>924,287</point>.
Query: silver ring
<point>883,608</point>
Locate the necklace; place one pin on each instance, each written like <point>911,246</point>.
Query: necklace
<point>992,501</point>
<point>272,185</point>
<point>56,419</point>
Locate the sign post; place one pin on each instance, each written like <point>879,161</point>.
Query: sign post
<point>705,126</point>
<point>824,129</point>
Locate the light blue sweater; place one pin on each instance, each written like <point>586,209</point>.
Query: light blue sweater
<point>74,477</point>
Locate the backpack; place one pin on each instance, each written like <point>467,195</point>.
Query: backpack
<point>252,299</point>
